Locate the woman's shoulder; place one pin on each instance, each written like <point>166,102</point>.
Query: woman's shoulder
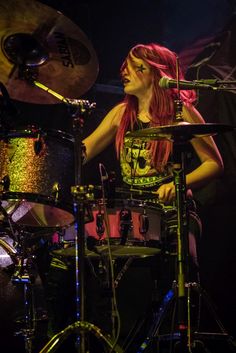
<point>119,107</point>
<point>116,113</point>
<point>191,114</point>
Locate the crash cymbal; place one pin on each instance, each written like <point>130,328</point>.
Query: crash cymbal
<point>180,132</point>
<point>40,43</point>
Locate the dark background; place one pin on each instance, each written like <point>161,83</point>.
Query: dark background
<point>203,33</point>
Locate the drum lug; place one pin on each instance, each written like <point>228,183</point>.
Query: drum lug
<point>38,144</point>
<point>126,224</point>
<point>5,182</point>
<point>83,192</point>
<point>143,223</point>
<point>100,229</point>
<point>56,189</point>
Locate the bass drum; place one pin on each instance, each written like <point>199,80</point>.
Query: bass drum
<point>36,174</point>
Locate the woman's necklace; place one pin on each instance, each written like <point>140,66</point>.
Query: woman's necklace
<point>142,122</point>
<point>144,118</point>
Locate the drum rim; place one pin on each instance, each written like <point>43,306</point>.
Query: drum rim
<point>137,203</point>
<point>33,132</point>
<point>37,198</point>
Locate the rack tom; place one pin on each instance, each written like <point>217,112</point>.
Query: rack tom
<point>36,173</point>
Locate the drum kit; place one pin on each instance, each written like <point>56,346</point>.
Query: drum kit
<point>39,193</point>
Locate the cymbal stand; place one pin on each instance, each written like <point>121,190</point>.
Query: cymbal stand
<point>25,274</point>
<point>179,144</point>
<point>182,242</point>
<point>183,302</point>
<point>181,286</point>
<point>78,193</point>
<point>186,338</point>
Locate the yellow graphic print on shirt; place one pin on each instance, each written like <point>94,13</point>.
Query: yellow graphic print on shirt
<point>136,165</point>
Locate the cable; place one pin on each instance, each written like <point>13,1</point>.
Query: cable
<point>102,169</point>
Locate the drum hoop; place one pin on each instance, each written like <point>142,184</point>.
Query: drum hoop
<point>132,203</point>
<point>37,198</point>
<point>21,133</point>
<point>59,134</point>
<point>9,249</point>
<point>32,132</point>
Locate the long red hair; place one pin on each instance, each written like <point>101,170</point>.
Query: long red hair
<point>162,108</point>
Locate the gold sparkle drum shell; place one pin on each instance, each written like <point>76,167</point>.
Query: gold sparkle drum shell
<point>36,173</point>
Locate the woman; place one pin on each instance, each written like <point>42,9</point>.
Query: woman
<point>145,163</point>
<point>146,104</point>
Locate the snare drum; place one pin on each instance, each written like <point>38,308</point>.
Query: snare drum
<point>134,220</point>
<point>36,173</point>
<point>134,227</point>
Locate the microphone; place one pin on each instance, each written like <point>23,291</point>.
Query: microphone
<point>166,82</point>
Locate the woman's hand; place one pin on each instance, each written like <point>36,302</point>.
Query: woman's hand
<point>166,192</point>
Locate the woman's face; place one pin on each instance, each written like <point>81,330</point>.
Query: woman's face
<point>137,77</point>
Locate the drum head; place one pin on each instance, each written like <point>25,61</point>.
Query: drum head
<point>35,211</point>
<point>117,251</point>
<point>7,251</point>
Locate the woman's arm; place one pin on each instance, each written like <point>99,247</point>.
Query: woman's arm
<point>105,133</point>
<point>211,162</point>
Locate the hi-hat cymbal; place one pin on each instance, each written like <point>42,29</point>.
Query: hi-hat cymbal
<point>40,43</point>
<point>116,251</point>
<point>181,132</point>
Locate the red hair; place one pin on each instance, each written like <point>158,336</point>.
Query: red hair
<point>162,108</point>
